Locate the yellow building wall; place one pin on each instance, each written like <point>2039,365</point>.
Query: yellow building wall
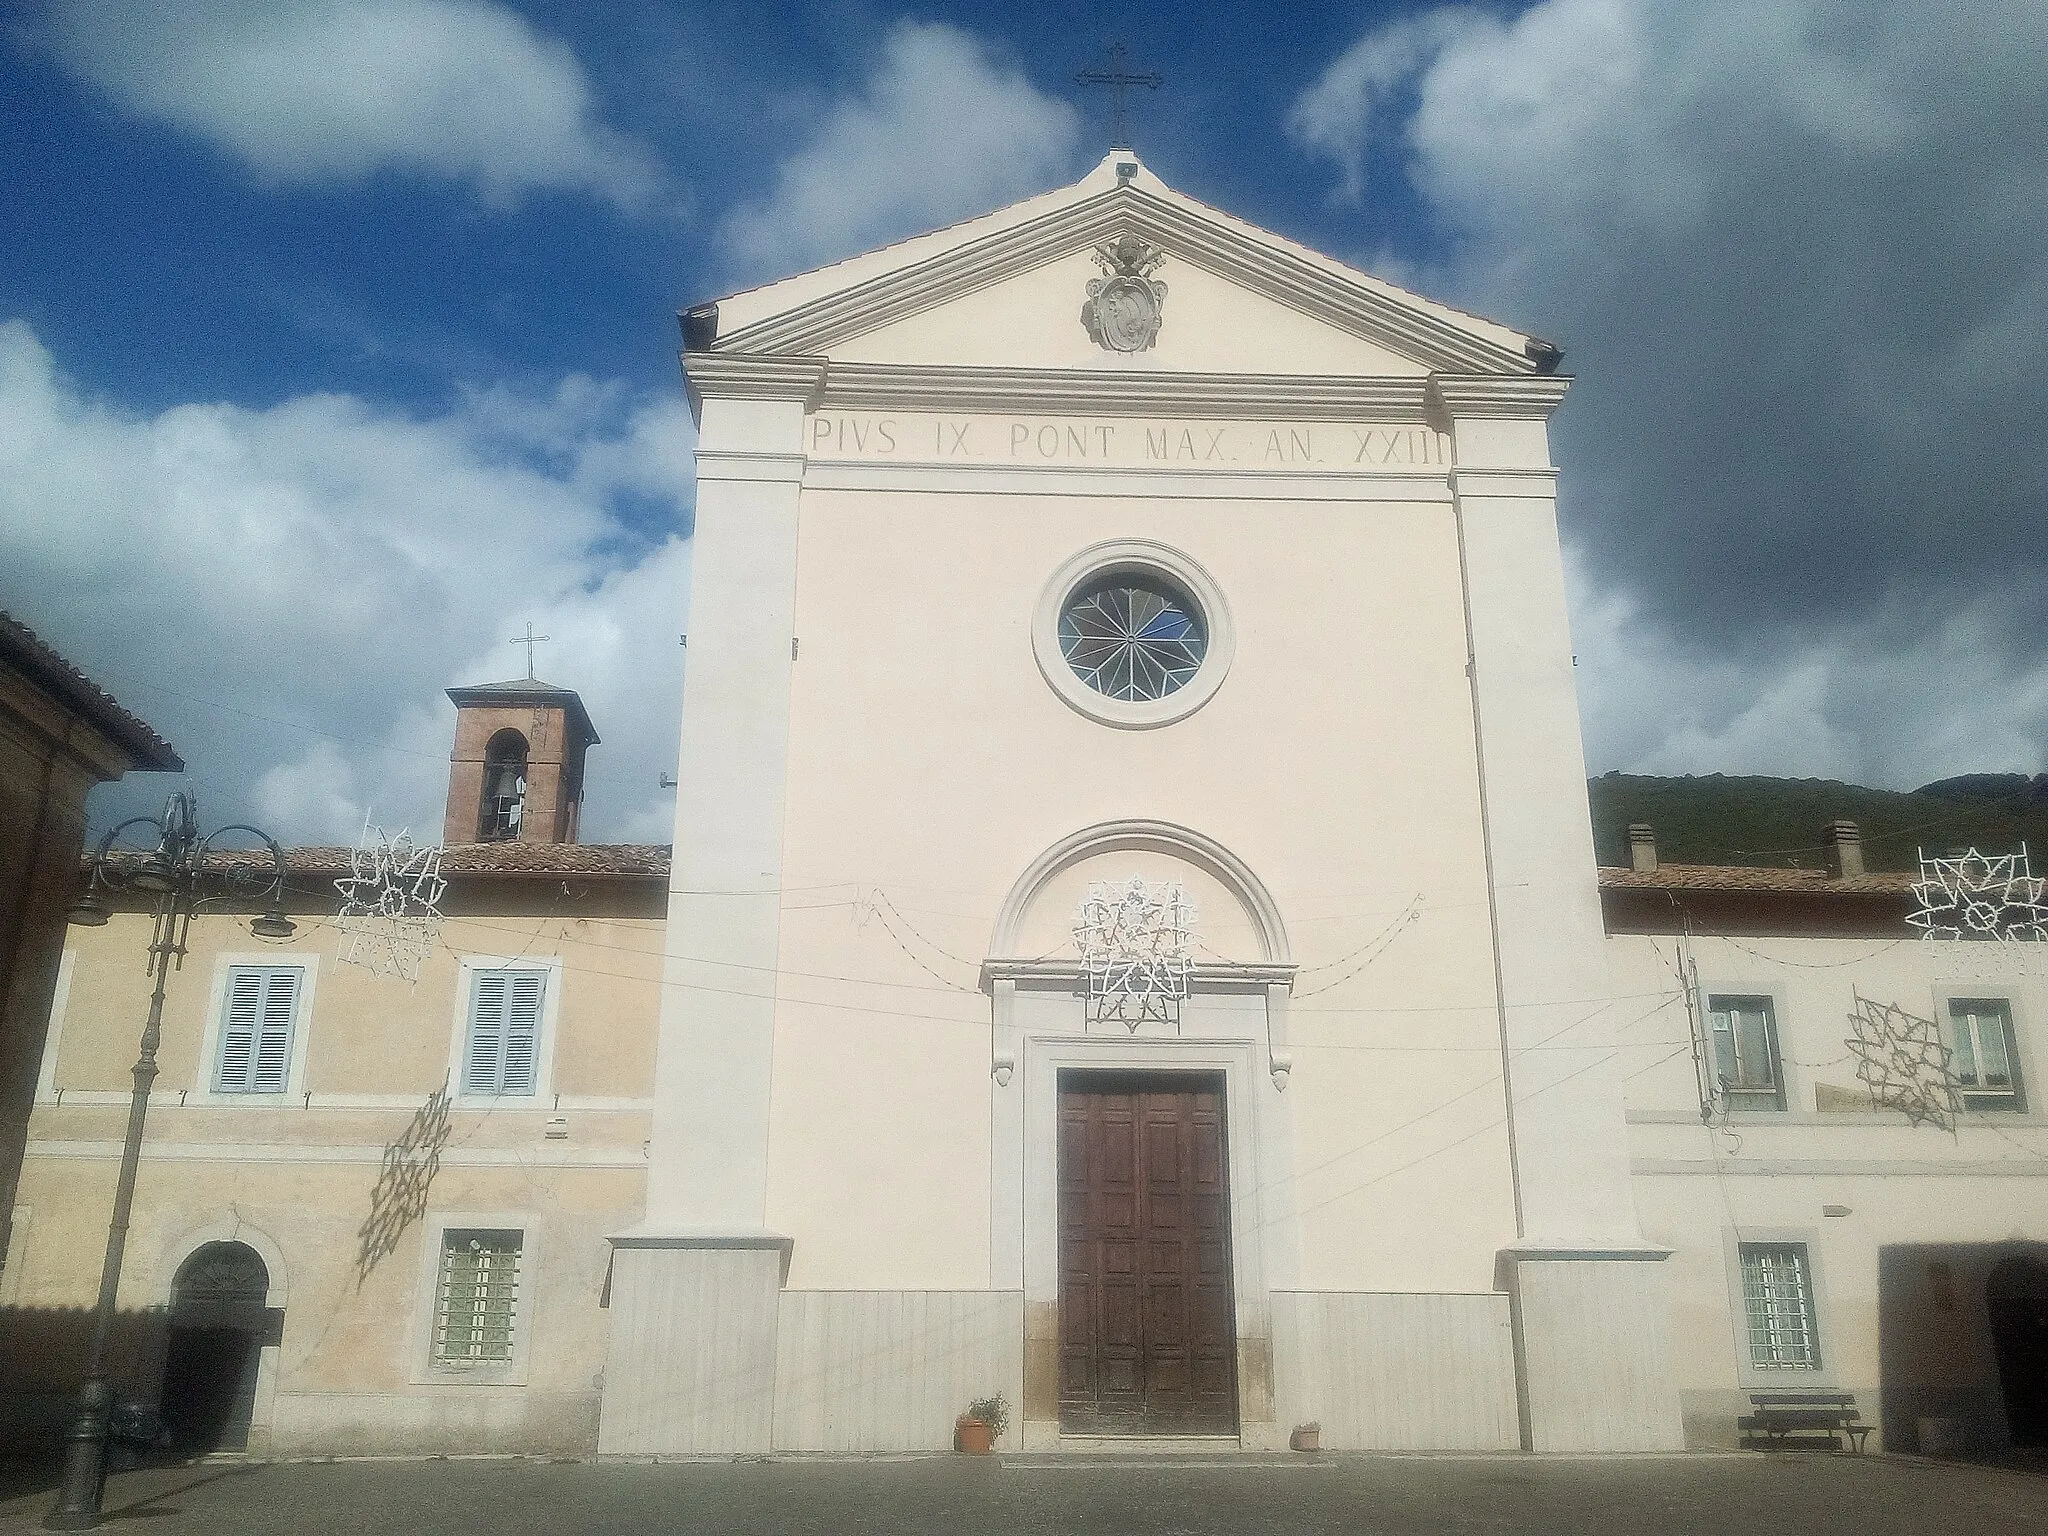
<point>342,1185</point>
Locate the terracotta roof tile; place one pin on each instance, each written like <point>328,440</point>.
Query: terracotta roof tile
<point>540,859</point>
<point>519,859</point>
<point>1732,877</point>
<point>24,650</point>
<point>651,860</point>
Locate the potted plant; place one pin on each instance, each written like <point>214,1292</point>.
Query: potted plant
<point>977,1430</point>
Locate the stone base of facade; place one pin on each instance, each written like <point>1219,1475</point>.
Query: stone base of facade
<point>1593,1342</point>
<point>1385,1371</point>
<point>708,1358</point>
<point>690,1360</point>
<point>426,1421</point>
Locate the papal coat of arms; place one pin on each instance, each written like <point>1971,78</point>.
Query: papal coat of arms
<point>1124,308</point>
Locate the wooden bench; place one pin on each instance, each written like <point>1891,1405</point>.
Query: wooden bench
<point>1779,1414</point>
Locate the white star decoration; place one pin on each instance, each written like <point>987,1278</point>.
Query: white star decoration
<point>1980,896</point>
<point>1137,948</point>
<point>390,903</point>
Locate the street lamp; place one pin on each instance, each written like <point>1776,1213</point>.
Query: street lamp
<point>172,875</point>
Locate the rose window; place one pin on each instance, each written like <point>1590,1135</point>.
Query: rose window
<point>1131,636</point>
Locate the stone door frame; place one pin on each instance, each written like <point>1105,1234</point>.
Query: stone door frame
<point>1025,1194</point>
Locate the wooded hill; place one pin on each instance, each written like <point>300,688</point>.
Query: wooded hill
<point>1720,820</point>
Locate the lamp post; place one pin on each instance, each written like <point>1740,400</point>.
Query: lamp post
<point>172,876</point>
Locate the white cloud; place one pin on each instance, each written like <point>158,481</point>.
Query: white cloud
<point>1878,702</point>
<point>939,130</point>
<point>233,574</point>
<point>319,90</point>
<point>1337,116</point>
<point>1797,254</point>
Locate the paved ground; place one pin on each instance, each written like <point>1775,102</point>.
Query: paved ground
<point>1814,1495</point>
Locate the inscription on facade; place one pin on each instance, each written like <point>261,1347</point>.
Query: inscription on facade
<point>1123,442</point>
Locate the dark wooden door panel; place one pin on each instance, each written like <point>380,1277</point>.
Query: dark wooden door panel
<point>1147,1329</point>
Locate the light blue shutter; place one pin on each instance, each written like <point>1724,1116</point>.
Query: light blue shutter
<point>486,1033</point>
<point>274,1040</point>
<point>256,1034</point>
<point>504,1032</point>
<point>522,1031</point>
<point>238,1030</point>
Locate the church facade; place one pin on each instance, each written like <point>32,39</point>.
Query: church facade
<point>1107,539</point>
<point>1132,945</point>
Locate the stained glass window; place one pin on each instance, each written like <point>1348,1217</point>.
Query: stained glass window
<point>1133,637</point>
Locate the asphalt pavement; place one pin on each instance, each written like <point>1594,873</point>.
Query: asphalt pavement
<point>1694,1495</point>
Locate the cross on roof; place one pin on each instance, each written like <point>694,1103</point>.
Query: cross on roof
<point>529,640</point>
<point>1120,80</point>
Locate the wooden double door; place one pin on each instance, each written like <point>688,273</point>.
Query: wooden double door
<point>1148,1339</point>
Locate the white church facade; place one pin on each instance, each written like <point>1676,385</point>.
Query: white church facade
<point>1132,943</point>
<point>932,480</point>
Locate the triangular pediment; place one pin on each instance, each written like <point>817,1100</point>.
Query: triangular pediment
<point>1007,291</point>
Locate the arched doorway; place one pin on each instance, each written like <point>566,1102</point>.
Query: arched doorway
<point>220,1322</point>
<point>1105,1124</point>
<point>2016,1295</point>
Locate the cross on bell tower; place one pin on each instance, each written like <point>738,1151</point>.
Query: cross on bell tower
<point>529,640</point>
<point>1120,80</point>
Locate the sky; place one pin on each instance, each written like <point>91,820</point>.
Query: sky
<point>338,342</point>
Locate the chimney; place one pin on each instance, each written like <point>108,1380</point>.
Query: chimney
<point>1642,847</point>
<point>1845,849</point>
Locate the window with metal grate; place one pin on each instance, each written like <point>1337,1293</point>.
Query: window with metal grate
<point>477,1302</point>
<point>1777,1294</point>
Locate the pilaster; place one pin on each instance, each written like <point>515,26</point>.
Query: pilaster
<point>696,1287</point>
<point>1594,1364</point>
<point>708,1156</point>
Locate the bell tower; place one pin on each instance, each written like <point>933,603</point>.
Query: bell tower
<point>516,774</point>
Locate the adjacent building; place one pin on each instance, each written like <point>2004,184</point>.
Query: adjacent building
<point>60,734</point>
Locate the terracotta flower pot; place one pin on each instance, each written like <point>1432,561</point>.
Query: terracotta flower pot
<point>972,1435</point>
<point>1307,1438</point>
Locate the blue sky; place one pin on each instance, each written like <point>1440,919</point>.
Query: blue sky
<point>337,337</point>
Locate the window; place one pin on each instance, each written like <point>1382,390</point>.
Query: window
<point>1133,636</point>
<point>1745,1040</point>
<point>1983,1060</point>
<point>504,1032</point>
<point>1777,1297</point>
<point>259,1013</point>
<point>503,807</point>
<point>476,1300</point>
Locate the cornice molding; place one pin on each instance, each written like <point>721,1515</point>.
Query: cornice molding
<point>1181,233</point>
<point>754,377</point>
<point>1530,395</point>
<point>1537,1250</point>
<point>1119,392</point>
<point>722,464</point>
<point>1467,483</point>
<point>934,477</point>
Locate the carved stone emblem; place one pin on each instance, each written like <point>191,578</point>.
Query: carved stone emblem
<point>1125,307</point>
